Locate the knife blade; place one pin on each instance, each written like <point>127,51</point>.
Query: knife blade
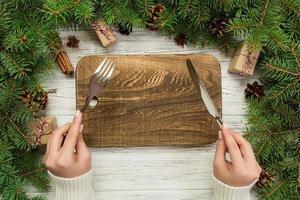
<point>208,102</point>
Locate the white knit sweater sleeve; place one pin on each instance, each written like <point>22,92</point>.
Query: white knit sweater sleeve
<point>78,188</point>
<point>226,192</point>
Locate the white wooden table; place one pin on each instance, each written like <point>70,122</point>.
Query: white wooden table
<point>150,173</point>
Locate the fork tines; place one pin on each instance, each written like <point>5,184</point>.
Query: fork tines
<point>105,69</point>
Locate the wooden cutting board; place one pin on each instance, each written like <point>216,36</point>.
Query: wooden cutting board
<point>150,101</point>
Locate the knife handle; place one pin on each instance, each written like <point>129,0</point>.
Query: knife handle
<point>219,122</point>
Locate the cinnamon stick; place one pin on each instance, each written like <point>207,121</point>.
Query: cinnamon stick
<point>64,62</point>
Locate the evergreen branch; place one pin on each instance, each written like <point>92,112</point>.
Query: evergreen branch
<point>33,171</point>
<point>291,6</point>
<point>276,188</point>
<point>277,132</point>
<point>261,22</point>
<point>276,95</point>
<point>18,129</point>
<point>257,153</point>
<point>295,56</point>
<point>21,70</point>
<point>264,127</point>
<point>279,69</point>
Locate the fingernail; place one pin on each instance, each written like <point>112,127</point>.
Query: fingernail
<point>81,128</point>
<point>77,113</point>
<point>220,135</point>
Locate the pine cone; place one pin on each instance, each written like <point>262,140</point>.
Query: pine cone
<point>154,15</point>
<point>254,90</point>
<point>180,39</point>
<point>264,179</point>
<point>35,101</point>
<point>72,41</point>
<point>124,30</point>
<point>294,105</point>
<point>218,26</point>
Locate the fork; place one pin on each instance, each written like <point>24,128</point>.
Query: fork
<point>99,80</point>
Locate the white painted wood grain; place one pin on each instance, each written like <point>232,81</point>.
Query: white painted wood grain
<point>148,173</point>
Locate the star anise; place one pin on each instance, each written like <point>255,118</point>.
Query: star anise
<point>72,41</point>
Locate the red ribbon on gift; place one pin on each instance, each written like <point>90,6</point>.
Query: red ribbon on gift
<point>102,29</point>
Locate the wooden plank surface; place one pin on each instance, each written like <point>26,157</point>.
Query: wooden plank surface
<point>147,173</point>
<point>150,101</point>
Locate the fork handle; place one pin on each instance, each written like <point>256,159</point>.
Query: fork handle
<point>219,122</point>
<point>87,101</point>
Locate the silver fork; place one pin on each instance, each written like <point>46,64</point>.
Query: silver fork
<point>99,80</point>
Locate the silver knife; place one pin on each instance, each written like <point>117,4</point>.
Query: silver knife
<point>203,93</point>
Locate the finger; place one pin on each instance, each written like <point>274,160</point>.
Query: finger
<point>48,147</point>
<point>245,146</point>
<point>220,153</point>
<point>71,138</point>
<point>82,150</point>
<point>229,165</point>
<point>232,146</point>
<point>57,138</point>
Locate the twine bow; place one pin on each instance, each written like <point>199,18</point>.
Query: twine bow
<point>247,66</point>
<point>105,30</point>
<point>41,127</point>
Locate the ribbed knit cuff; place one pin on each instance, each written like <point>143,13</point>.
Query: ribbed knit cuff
<point>77,188</point>
<point>227,192</point>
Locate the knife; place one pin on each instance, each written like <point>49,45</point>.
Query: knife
<point>203,93</point>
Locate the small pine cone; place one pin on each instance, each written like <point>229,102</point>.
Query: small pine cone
<point>124,30</point>
<point>264,179</point>
<point>254,90</point>
<point>154,14</point>
<point>35,101</point>
<point>218,26</point>
<point>180,39</point>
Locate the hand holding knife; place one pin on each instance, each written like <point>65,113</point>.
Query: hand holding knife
<point>203,93</point>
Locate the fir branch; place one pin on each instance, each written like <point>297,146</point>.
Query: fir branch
<point>276,188</point>
<point>288,86</point>
<point>263,15</point>
<point>294,6</point>
<point>295,56</point>
<point>33,171</point>
<point>282,70</point>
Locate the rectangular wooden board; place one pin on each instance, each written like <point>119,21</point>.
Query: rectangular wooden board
<point>150,101</point>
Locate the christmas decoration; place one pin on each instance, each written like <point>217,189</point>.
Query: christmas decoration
<point>218,26</point>
<point>64,62</point>
<point>243,61</point>
<point>27,36</point>
<point>35,101</point>
<point>73,42</point>
<point>265,178</point>
<point>124,30</point>
<point>180,39</point>
<point>104,33</point>
<point>40,130</point>
<point>155,12</point>
<point>254,90</point>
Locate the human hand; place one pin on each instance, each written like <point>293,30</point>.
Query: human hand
<point>68,157</point>
<point>243,168</point>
